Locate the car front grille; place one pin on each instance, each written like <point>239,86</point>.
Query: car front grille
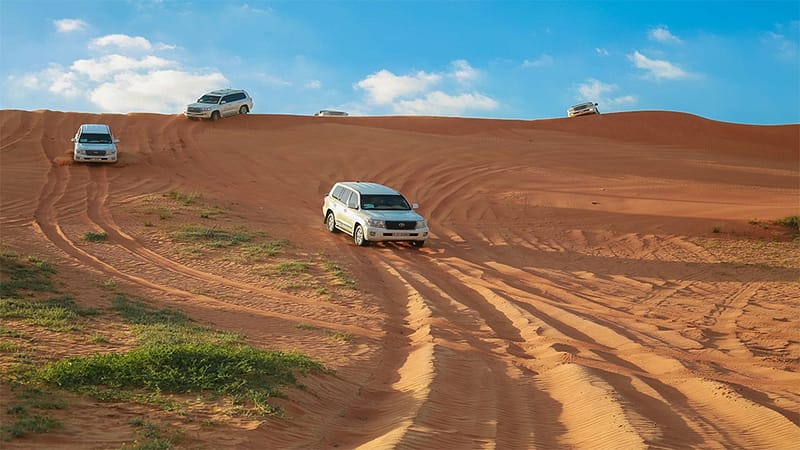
<point>194,110</point>
<point>95,153</point>
<point>400,225</point>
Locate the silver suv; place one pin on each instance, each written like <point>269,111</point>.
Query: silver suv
<point>583,109</point>
<point>94,142</point>
<point>372,212</point>
<point>221,103</point>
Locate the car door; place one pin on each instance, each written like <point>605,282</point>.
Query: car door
<point>229,105</point>
<point>348,209</point>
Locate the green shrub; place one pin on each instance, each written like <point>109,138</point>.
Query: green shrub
<point>91,236</point>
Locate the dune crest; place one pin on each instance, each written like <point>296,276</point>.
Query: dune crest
<point>612,281</point>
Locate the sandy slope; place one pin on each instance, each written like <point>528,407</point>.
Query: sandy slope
<point>573,294</point>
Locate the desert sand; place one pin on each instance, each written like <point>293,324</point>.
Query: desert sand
<point>603,282</point>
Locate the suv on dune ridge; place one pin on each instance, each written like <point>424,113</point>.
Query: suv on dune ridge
<point>222,103</point>
<point>371,212</point>
<point>94,143</point>
<point>583,109</point>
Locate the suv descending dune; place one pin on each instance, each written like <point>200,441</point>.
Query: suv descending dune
<point>372,212</point>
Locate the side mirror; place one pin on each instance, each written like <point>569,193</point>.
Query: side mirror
<point>415,206</point>
<point>72,140</point>
<point>595,104</point>
<point>222,102</point>
<point>116,140</point>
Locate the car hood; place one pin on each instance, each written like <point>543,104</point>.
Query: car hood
<point>408,215</point>
<point>201,105</point>
<point>106,147</point>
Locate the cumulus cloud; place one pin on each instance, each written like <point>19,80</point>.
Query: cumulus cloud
<point>463,72</point>
<point>383,87</point>
<point>542,61</point>
<point>153,91</point>
<point>597,91</point>
<point>69,25</point>
<point>99,69</point>
<point>120,82</point>
<point>439,103</point>
<point>424,93</point>
<point>657,68</point>
<point>594,89</point>
<point>121,42</point>
<point>662,34</point>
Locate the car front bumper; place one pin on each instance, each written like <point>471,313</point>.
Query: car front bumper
<point>105,158</point>
<point>375,234</point>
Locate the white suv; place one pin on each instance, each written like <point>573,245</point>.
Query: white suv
<point>583,109</point>
<point>94,142</point>
<point>221,103</point>
<point>372,212</point>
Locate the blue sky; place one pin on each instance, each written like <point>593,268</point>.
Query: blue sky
<point>724,60</point>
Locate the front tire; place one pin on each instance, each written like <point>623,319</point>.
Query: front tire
<point>417,243</point>
<point>243,109</point>
<point>215,116</point>
<point>330,223</point>
<point>358,236</point>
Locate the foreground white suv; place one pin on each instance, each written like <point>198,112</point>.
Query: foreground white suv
<point>372,212</point>
<point>221,103</point>
<point>94,142</point>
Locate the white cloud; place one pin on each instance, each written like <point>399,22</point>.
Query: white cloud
<point>383,87</point>
<point>119,82</point>
<point>99,69</point>
<point>439,103</point>
<point>782,46</point>
<point>601,51</point>
<point>154,91</point>
<point>623,100</point>
<point>463,72</point>
<point>122,42</point>
<point>656,68</point>
<point>415,95</point>
<point>597,91</point>
<point>594,89</point>
<point>662,34</point>
<point>313,84</point>
<point>69,25</point>
<point>542,61</point>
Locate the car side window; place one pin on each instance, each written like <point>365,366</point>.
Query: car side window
<point>352,201</point>
<point>337,193</point>
<point>239,96</point>
<point>227,98</point>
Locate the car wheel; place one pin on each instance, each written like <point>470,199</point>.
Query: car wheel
<point>243,109</point>
<point>358,236</point>
<point>330,223</point>
<point>417,243</point>
<point>215,116</point>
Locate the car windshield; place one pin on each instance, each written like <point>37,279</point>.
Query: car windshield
<point>94,138</point>
<point>384,202</point>
<point>212,99</point>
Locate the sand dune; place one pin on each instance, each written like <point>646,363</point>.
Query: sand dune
<point>598,282</point>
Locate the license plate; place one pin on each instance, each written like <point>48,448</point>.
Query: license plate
<point>401,234</point>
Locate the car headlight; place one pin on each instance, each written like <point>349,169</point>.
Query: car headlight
<point>422,223</point>
<point>376,223</point>
<point>80,152</point>
<point>206,108</point>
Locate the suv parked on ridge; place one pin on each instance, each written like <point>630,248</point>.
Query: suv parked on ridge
<point>372,212</point>
<point>94,142</point>
<point>221,103</point>
<point>583,109</point>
